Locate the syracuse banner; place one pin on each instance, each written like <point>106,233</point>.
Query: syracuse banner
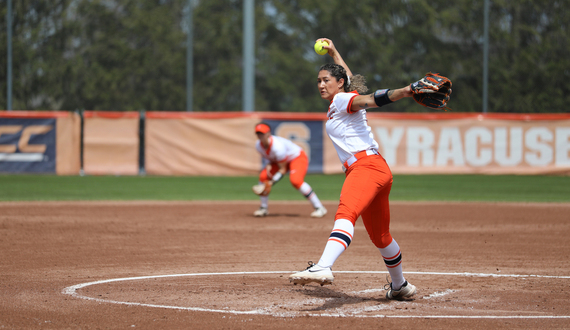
<point>39,142</point>
<point>427,143</point>
<point>462,143</point>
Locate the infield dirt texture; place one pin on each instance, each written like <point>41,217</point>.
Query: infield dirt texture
<point>212,265</point>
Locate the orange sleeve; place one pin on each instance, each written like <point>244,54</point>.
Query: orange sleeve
<point>349,106</point>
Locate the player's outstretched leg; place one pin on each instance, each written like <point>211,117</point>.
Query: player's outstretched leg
<point>406,291</point>
<point>398,288</point>
<point>308,192</point>
<point>339,240</point>
<point>262,211</point>
<point>313,273</point>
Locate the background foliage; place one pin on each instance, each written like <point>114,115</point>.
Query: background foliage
<point>131,54</point>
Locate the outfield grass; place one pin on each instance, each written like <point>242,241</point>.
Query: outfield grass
<point>511,188</point>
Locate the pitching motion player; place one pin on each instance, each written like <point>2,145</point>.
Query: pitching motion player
<point>368,178</point>
<point>282,156</point>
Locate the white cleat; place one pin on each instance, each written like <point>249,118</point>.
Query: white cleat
<point>313,273</point>
<point>406,291</point>
<point>319,212</point>
<point>261,212</point>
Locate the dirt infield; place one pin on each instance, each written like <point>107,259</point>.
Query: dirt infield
<point>212,265</point>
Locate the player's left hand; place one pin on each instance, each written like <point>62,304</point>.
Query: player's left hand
<point>263,189</point>
<point>432,91</point>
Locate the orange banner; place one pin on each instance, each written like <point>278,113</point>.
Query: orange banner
<point>223,143</point>
<point>431,143</point>
<point>68,144</point>
<point>201,146</point>
<point>111,143</point>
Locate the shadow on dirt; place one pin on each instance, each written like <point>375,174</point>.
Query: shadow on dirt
<point>335,299</point>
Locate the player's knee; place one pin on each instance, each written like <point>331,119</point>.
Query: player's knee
<point>296,183</point>
<point>263,176</point>
<point>342,213</point>
<point>382,241</point>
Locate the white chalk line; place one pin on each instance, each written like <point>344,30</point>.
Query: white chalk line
<point>72,291</point>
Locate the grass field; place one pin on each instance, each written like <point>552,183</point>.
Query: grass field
<point>494,188</point>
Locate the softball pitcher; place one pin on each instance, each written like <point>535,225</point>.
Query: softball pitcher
<point>282,156</point>
<point>368,178</point>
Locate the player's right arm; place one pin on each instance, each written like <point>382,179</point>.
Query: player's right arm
<point>336,56</point>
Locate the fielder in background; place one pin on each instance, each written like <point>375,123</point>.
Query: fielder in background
<point>282,156</point>
<point>368,181</point>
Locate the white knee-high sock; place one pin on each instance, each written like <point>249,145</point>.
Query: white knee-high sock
<point>308,192</point>
<point>339,240</point>
<point>264,201</point>
<point>393,260</point>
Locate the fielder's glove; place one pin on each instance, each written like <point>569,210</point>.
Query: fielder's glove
<point>432,91</point>
<point>262,189</point>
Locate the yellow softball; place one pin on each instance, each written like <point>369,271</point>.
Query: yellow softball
<point>319,47</point>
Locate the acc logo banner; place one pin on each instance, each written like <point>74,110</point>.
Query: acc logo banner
<point>27,145</point>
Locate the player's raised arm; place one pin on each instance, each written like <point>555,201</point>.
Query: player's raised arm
<point>333,52</point>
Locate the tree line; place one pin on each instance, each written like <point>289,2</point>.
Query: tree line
<point>131,54</point>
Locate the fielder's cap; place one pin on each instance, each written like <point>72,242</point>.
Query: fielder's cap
<point>262,128</point>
